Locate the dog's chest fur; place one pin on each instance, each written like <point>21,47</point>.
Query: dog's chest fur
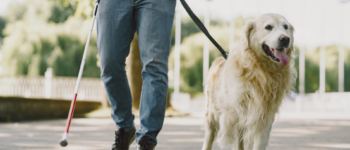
<point>250,88</point>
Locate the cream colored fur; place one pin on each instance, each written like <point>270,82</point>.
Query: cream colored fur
<point>245,91</point>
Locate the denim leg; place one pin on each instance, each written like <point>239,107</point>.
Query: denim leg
<point>154,24</point>
<point>115,31</point>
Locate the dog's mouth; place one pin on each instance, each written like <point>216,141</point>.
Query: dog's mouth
<point>277,55</point>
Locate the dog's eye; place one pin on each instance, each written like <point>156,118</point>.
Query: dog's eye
<point>268,27</point>
<point>285,27</point>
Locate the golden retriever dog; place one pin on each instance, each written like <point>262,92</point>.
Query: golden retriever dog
<point>244,92</point>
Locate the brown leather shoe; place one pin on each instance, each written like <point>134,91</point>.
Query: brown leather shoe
<point>145,143</point>
<point>123,139</point>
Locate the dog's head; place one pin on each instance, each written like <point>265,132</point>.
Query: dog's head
<point>270,37</point>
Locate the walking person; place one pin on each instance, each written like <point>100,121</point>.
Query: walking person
<point>117,21</point>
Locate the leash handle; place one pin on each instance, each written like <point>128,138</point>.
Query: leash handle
<point>97,2</point>
<point>202,27</point>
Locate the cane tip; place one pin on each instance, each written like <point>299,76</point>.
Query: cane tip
<point>64,143</point>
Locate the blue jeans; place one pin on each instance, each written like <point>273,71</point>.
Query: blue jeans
<point>117,21</point>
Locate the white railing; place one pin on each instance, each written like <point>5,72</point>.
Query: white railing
<point>51,87</point>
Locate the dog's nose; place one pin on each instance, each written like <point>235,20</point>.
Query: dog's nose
<point>284,41</point>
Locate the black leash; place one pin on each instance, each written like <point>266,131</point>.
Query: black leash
<point>202,27</point>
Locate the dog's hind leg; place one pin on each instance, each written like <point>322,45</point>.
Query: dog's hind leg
<point>210,130</point>
<point>241,145</point>
<point>208,137</point>
<point>261,140</point>
<point>238,141</point>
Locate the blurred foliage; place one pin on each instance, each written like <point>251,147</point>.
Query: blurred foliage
<point>82,8</point>
<point>2,26</point>
<point>346,69</point>
<point>43,33</point>
<point>191,77</point>
<point>60,13</point>
<point>312,71</point>
<point>15,11</point>
<point>188,27</point>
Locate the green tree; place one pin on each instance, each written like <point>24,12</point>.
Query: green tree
<point>60,13</point>
<point>311,73</point>
<point>192,58</point>
<point>2,26</point>
<point>191,75</point>
<point>15,11</point>
<point>347,69</point>
<point>188,27</point>
<point>82,8</point>
<point>312,69</point>
<point>42,39</point>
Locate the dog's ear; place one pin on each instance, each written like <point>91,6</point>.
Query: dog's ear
<point>247,29</point>
<point>291,28</point>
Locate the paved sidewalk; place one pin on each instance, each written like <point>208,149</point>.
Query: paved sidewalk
<point>288,133</point>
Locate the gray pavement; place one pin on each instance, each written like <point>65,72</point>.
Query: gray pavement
<point>289,132</point>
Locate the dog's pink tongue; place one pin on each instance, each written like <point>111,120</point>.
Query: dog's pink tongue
<point>282,56</point>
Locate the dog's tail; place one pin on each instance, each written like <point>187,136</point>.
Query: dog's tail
<point>215,69</point>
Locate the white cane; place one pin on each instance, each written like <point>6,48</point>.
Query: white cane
<point>64,141</point>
